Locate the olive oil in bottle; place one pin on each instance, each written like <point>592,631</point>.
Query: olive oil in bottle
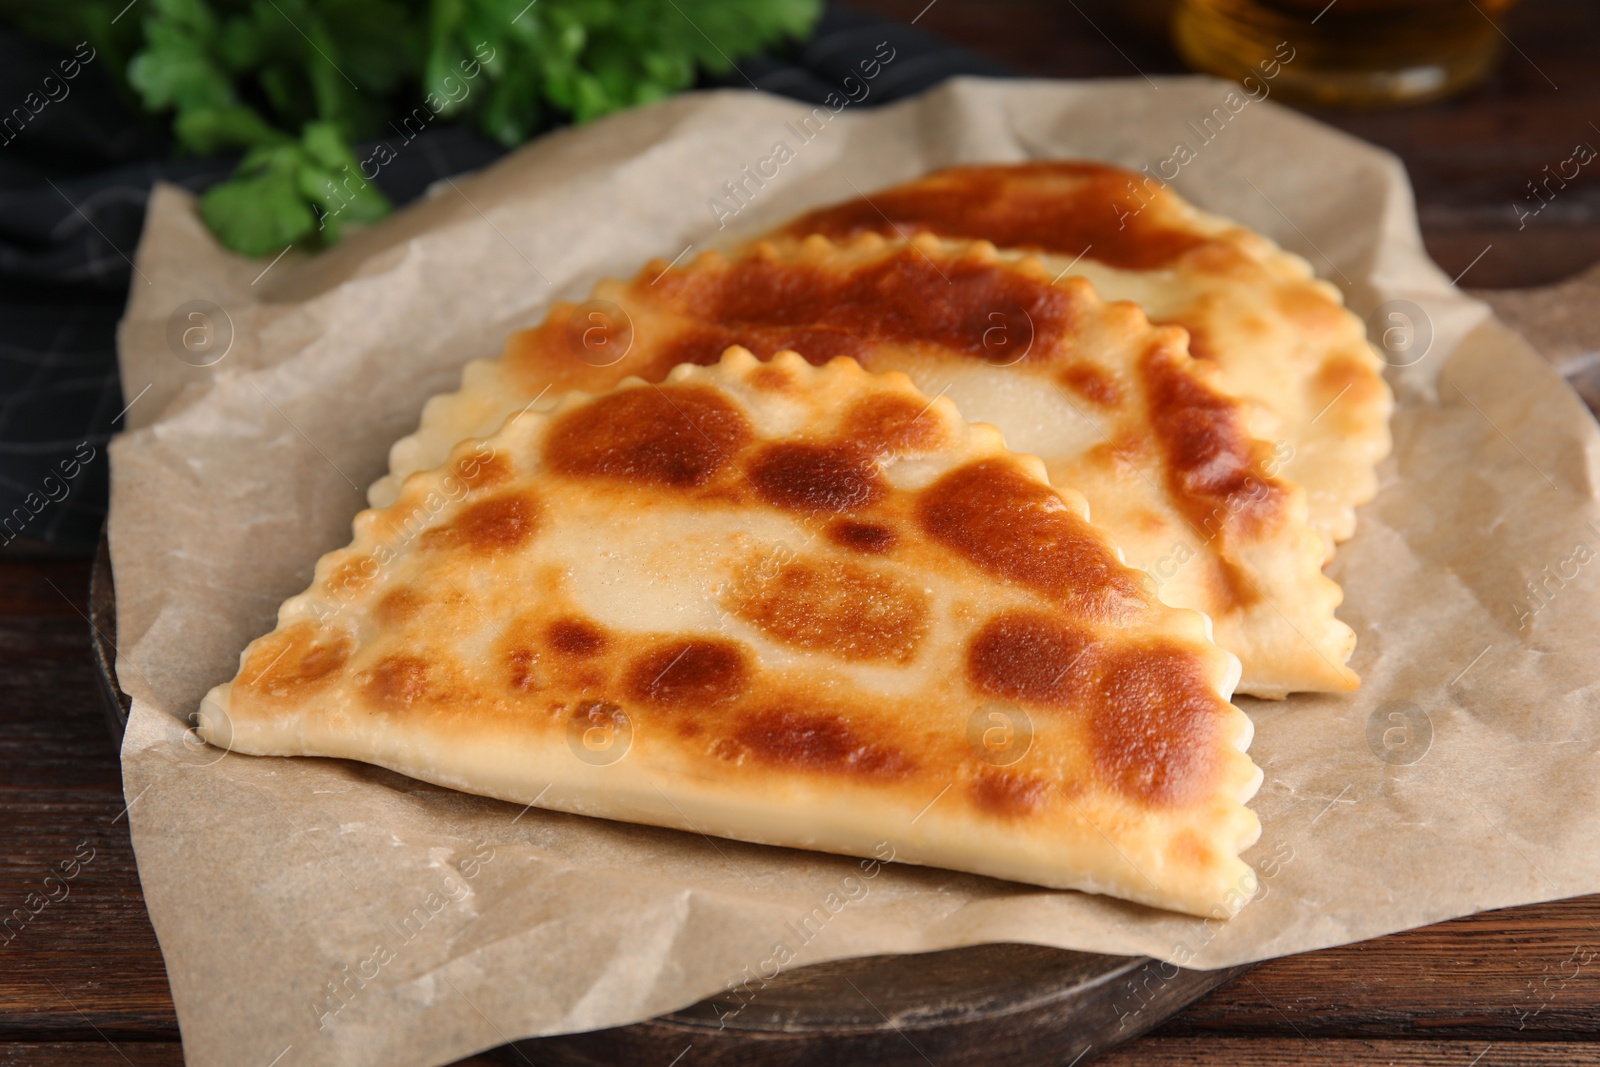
<point>1347,53</point>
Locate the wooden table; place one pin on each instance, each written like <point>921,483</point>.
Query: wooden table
<point>82,981</point>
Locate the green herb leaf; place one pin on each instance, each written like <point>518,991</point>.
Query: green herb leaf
<point>219,129</point>
<point>260,210</point>
<point>295,82</point>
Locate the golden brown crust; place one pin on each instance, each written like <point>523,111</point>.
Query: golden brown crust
<point>1281,339</point>
<point>666,570</point>
<point>1115,407</point>
<point>1065,207</point>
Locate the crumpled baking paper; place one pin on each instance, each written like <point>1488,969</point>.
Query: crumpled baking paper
<point>332,913</point>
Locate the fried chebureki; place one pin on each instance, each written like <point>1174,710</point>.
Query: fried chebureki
<point>1116,409</point>
<point>779,603</point>
<point>1281,338</point>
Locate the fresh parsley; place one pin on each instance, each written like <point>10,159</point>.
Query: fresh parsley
<point>293,84</point>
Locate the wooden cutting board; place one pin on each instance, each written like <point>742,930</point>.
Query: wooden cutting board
<point>1015,1005</point>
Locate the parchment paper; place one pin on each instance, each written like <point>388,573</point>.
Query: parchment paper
<point>1563,322</point>
<point>332,913</point>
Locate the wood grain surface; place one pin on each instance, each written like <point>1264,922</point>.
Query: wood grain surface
<point>82,981</point>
